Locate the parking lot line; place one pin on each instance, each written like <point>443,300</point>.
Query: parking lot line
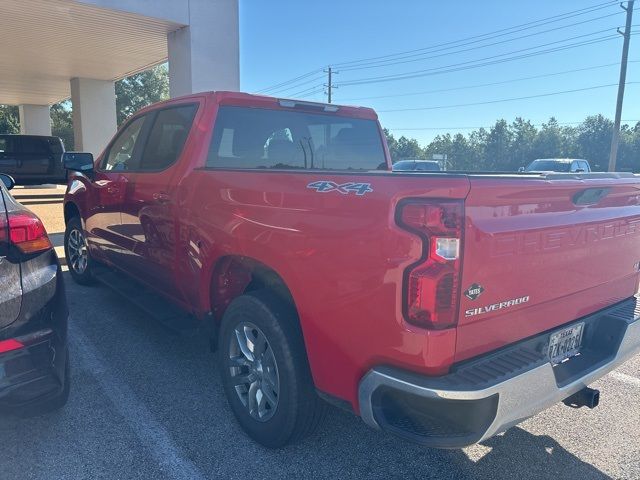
<point>623,377</point>
<point>149,431</point>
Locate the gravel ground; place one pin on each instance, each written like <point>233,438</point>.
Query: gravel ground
<point>148,404</point>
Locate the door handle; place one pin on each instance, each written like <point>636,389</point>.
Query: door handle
<point>161,197</point>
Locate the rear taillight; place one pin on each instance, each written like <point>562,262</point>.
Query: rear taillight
<point>10,345</point>
<point>432,285</point>
<point>27,233</point>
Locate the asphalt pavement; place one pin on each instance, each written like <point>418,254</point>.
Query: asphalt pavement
<point>148,404</point>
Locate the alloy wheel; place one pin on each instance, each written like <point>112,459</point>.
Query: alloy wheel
<point>77,250</point>
<point>254,372</point>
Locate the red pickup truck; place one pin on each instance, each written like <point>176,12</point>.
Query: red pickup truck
<point>444,307</point>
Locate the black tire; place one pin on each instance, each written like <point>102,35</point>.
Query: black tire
<point>52,404</point>
<point>80,276</point>
<point>299,410</point>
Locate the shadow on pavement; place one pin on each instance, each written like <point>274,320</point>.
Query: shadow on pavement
<point>173,382</point>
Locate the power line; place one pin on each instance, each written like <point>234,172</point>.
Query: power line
<point>308,74</point>
<point>303,92</point>
<point>502,82</point>
<point>486,36</point>
<point>488,102</point>
<point>410,59</point>
<point>521,27</point>
<point>487,61</point>
<point>296,85</point>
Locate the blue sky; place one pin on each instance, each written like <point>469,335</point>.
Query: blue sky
<point>283,39</point>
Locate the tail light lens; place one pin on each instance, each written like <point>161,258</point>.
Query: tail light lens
<point>432,285</point>
<point>27,233</point>
<point>10,345</point>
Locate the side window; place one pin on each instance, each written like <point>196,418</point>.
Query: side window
<point>167,137</point>
<point>121,151</point>
<point>584,166</point>
<point>574,166</point>
<point>8,145</point>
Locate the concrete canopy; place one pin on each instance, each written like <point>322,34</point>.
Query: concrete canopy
<point>45,43</point>
<point>55,49</point>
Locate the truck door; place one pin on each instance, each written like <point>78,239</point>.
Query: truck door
<point>109,186</point>
<point>150,208</point>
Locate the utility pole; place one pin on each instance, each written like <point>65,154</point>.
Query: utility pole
<point>623,78</point>
<point>329,85</point>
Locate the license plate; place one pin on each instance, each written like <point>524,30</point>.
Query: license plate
<point>565,343</point>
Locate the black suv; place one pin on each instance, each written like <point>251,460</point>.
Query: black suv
<point>32,159</point>
<point>34,358</point>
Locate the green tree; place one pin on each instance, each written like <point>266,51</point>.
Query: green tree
<point>550,141</point>
<point>392,143</point>
<point>140,90</point>
<point>403,147</point>
<point>523,136</point>
<point>593,141</point>
<point>9,119</point>
<point>498,146</point>
<point>62,124</point>
<point>409,148</point>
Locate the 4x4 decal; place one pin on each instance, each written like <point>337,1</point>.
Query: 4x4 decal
<point>325,186</point>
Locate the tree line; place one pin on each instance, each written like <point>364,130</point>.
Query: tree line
<point>508,146</point>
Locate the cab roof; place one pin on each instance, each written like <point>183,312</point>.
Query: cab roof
<point>262,101</point>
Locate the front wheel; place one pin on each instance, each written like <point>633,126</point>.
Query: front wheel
<point>265,371</point>
<point>77,253</point>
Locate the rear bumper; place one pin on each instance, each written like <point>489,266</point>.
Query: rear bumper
<point>490,394</point>
<point>36,372</point>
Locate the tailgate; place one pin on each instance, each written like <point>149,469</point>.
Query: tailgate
<point>540,252</point>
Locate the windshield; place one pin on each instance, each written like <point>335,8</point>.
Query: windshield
<point>418,165</point>
<point>548,166</point>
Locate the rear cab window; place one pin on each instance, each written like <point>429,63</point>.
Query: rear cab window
<point>262,138</point>
<point>35,145</point>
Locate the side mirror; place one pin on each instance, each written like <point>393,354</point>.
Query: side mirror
<point>580,170</point>
<point>78,161</point>
<point>8,181</point>
<point>521,169</point>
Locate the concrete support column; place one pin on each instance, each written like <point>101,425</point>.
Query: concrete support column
<point>206,54</point>
<point>94,113</point>
<point>35,119</point>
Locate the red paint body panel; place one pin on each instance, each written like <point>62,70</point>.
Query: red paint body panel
<point>527,238</point>
<point>343,257</point>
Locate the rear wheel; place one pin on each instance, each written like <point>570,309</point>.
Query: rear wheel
<point>77,253</point>
<point>265,371</point>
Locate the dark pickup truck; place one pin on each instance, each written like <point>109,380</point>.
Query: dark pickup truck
<point>32,159</point>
